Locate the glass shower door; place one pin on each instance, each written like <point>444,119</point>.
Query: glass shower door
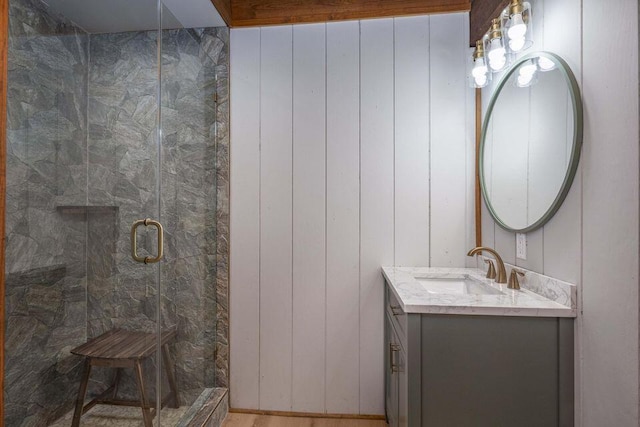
<point>124,232</point>
<point>192,58</point>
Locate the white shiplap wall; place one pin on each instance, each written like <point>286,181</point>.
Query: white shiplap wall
<point>593,239</point>
<point>610,215</point>
<point>350,149</point>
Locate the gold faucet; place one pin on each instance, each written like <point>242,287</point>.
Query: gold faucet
<point>502,273</point>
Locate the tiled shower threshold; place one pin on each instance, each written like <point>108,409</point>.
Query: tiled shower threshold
<point>209,410</point>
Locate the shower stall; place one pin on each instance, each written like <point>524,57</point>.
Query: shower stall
<point>116,257</point>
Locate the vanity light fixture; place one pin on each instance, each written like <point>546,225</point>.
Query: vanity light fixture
<point>497,53</point>
<point>480,74</point>
<point>509,33</point>
<point>517,17</point>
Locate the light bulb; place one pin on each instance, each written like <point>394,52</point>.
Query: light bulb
<point>524,80</point>
<point>526,73</point>
<point>480,80</point>
<point>546,64</point>
<point>497,58</point>
<point>518,28</point>
<point>517,44</point>
<point>498,64</point>
<point>528,70</point>
<point>479,68</point>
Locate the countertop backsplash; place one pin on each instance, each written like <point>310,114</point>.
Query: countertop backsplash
<point>564,293</point>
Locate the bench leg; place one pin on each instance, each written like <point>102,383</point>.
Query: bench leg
<point>82,392</point>
<point>146,415</point>
<point>168,367</point>
<point>116,382</point>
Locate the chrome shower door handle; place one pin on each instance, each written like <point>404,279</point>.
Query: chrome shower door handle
<point>134,241</point>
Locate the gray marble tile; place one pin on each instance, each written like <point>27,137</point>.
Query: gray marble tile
<point>46,166</point>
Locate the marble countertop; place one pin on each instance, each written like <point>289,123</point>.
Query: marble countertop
<point>414,298</point>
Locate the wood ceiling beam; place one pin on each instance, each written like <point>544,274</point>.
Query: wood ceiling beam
<point>275,12</point>
<point>482,12</point>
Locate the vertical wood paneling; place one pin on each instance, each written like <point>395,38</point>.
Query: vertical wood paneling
<point>343,217</point>
<point>535,252</point>
<point>309,195</point>
<point>488,227</point>
<point>610,214</point>
<point>505,244</point>
<point>562,249</point>
<point>537,7</point>
<point>474,196</point>
<point>562,235</point>
<point>244,291</point>
<point>314,202</point>
<point>276,219</point>
<point>376,200</point>
<point>473,109</point>
<point>412,141</point>
<point>448,157</point>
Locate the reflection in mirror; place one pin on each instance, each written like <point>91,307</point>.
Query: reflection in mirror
<point>531,142</point>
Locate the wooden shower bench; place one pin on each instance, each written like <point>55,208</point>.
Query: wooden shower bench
<point>119,348</point>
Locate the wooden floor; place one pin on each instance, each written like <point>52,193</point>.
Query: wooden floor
<point>250,420</point>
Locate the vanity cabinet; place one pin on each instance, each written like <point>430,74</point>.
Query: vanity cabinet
<point>474,371</point>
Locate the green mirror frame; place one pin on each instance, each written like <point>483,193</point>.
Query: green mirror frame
<point>577,139</point>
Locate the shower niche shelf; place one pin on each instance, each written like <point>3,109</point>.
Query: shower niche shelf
<point>82,210</point>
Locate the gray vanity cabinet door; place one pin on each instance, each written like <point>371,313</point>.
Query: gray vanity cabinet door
<point>485,371</point>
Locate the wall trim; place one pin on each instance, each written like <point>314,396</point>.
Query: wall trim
<point>478,192</point>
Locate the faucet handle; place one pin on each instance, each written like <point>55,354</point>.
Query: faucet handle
<point>514,283</point>
<point>491,271</point>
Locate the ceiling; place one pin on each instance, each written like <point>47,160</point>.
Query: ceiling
<point>482,11</point>
<point>114,16</point>
<point>100,16</point>
<point>241,13</point>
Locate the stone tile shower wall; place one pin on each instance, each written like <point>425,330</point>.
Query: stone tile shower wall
<point>122,169</point>
<point>81,166</point>
<point>122,166</point>
<point>45,257</point>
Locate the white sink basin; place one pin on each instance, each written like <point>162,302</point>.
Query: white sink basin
<point>461,285</point>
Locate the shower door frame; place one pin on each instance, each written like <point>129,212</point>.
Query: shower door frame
<point>4,45</point>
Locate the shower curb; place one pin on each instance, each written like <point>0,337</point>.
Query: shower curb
<point>209,410</point>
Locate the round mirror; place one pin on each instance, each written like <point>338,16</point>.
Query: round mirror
<point>531,140</point>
